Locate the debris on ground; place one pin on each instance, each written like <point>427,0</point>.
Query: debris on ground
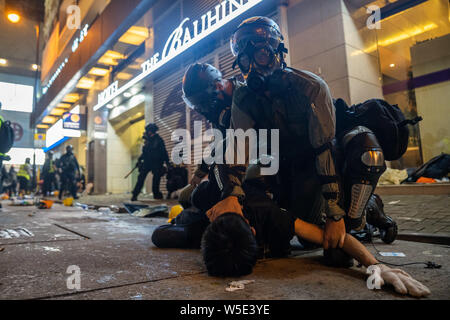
<point>153,211</point>
<point>2,249</point>
<point>146,211</point>
<point>392,254</point>
<point>394,202</point>
<point>238,285</point>
<point>15,233</point>
<point>393,176</point>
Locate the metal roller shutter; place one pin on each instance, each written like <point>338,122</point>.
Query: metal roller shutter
<point>169,110</point>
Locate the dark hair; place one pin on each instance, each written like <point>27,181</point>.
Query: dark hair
<point>229,247</point>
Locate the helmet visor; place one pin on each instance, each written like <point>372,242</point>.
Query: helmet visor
<point>255,34</point>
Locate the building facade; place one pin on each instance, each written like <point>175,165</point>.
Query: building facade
<point>123,69</point>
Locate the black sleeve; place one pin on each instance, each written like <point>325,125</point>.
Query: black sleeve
<point>164,150</point>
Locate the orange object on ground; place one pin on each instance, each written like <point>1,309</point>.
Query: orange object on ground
<point>45,204</point>
<point>425,180</point>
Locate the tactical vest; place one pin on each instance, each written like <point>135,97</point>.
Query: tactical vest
<point>285,109</point>
<point>23,171</point>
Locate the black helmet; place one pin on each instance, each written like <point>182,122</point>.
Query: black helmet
<point>199,85</point>
<point>256,29</point>
<point>151,127</point>
<point>69,148</point>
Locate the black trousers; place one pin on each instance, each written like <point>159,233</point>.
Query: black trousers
<point>155,181</point>
<point>68,182</point>
<point>49,183</point>
<point>23,183</point>
<point>185,231</point>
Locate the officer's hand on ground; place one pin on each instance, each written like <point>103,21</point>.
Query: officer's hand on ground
<point>230,204</point>
<point>402,282</point>
<point>334,234</point>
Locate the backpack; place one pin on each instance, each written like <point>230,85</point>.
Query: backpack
<point>6,136</point>
<point>386,121</point>
<point>436,168</point>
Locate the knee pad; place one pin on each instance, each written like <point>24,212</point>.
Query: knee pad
<point>364,164</point>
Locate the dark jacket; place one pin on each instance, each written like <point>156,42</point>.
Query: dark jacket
<point>69,164</point>
<point>154,152</point>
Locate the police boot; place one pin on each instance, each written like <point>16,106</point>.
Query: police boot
<point>336,257</point>
<point>376,217</point>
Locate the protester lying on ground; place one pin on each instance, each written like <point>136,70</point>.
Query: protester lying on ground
<point>234,241</point>
<point>230,250</point>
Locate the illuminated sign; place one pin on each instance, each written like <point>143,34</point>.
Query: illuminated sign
<point>75,44</point>
<point>108,92</point>
<point>54,76</point>
<point>185,36</point>
<point>74,121</point>
<point>57,133</point>
<point>80,38</point>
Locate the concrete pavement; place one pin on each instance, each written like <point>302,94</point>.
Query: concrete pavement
<point>118,261</point>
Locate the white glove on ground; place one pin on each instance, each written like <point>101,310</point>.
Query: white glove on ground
<point>399,279</point>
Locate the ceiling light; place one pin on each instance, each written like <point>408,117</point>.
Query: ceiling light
<point>58,112</point>
<point>110,58</point>
<point>49,120</point>
<point>135,35</point>
<point>116,102</point>
<point>71,97</point>
<point>34,66</point>
<point>392,65</point>
<point>13,17</point>
<point>63,105</point>
<point>123,76</point>
<point>98,72</point>
<point>109,106</point>
<point>85,83</point>
<point>2,61</point>
<point>127,94</point>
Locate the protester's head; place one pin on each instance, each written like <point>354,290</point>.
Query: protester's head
<point>27,160</point>
<point>229,247</point>
<point>69,149</point>
<point>151,129</point>
<point>50,154</point>
<point>205,91</point>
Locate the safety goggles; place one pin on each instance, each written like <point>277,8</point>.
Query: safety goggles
<point>260,53</point>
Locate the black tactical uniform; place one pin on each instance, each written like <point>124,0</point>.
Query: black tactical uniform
<point>203,92</point>
<point>69,167</point>
<point>48,175</point>
<point>152,159</point>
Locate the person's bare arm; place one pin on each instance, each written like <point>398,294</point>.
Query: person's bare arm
<point>402,281</point>
<point>353,247</point>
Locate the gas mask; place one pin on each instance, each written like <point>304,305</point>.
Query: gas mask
<point>257,62</point>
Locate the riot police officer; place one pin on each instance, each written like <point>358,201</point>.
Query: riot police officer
<point>69,170</point>
<point>152,159</point>
<point>299,104</point>
<point>208,93</point>
<point>48,174</point>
